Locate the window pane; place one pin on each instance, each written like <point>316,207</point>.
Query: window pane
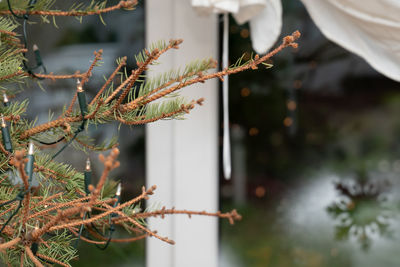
<point>315,157</point>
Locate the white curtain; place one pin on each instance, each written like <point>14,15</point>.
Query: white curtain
<point>368,28</point>
<point>265,18</point>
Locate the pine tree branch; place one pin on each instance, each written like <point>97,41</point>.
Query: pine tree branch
<point>68,214</point>
<point>85,77</point>
<point>94,148</point>
<point>8,32</point>
<point>184,109</point>
<point>47,258</point>
<point>119,88</point>
<point>59,206</point>
<point>211,65</point>
<point>149,232</point>
<point>50,76</point>
<point>32,257</point>
<point>144,195</point>
<point>116,240</point>
<point>98,56</point>
<point>151,57</point>
<point>231,216</point>
<point>13,206</point>
<point>10,244</point>
<point>86,239</point>
<point>110,79</point>
<point>128,4</point>
<point>47,200</point>
<point>3,150</point>
<point>133,105</point>
<point>253,64</point>
<point>110,163</point>
<point>17,51</point>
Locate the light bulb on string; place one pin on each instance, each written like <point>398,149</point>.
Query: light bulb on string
<point>82,99</point>
<point>111,230</point>
<point>6,135</point>
<point>38,57</point>
<point>87,176</point>
<point>6,102</point>
<point>119,189</point>
<point>31,161</point>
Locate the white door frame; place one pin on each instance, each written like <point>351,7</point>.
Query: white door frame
<point>182,156</point>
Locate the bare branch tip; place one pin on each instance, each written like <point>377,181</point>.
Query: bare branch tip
<point>296,35</point>
<point>128,3</point>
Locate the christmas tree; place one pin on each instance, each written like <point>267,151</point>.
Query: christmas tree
<point>47,206</point>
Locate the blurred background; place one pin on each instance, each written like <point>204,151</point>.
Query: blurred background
<point>315,147</point>
<point>315,142</point>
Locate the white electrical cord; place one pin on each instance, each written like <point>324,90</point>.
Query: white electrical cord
<point>226,146</point>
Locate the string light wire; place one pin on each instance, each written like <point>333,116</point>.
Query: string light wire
<point>25,17</point>
<point>21,195</point>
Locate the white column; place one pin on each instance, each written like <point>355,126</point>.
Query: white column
<point>182,156</point>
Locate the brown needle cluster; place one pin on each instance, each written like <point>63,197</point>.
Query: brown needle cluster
<point>116,109</point>
<point>44,216</point>
<point>128,4</point>
<point>10,38</point>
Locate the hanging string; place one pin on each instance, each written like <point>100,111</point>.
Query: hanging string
<point>12,11</point>
<point>7,142</point>
<point>25,17</point>
<point>84,111</point>
<point>111,230</point>
<point>20,197</point>
<point>226,146</point>
<point>35,248</point>
<point>77,131</point>
<point>87,181</point>
<point>38,58</point>
<point>48,143</point>
<point>110,233</point>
